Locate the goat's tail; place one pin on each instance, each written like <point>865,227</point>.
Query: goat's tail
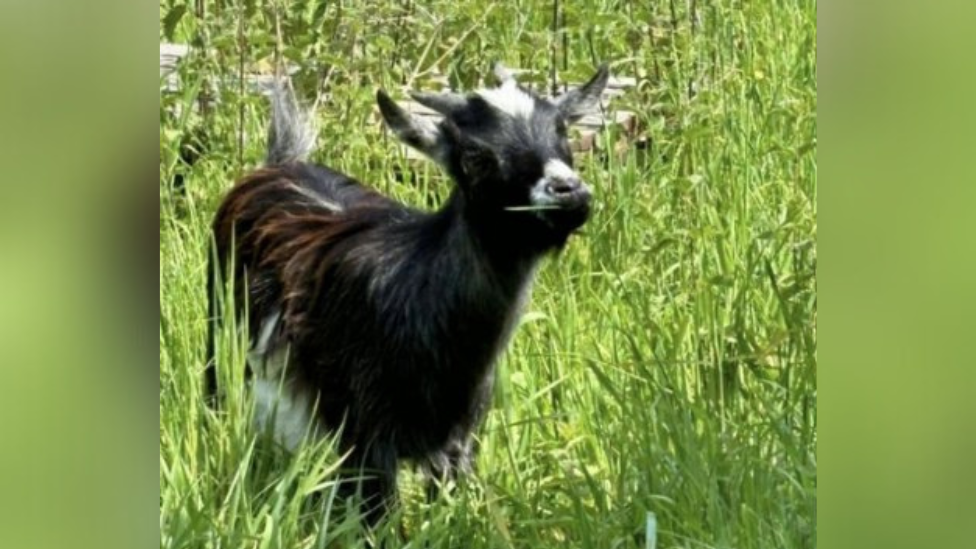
<point>291,137</point>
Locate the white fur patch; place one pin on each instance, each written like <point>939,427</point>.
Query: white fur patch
<point>515,316</point>
<point>279,407</point>
<point>318,200</point>
<point>282,411</point>
<point>510,99</point>
<point>257,356</point>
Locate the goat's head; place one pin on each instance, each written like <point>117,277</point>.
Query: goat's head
<point>507,149</point>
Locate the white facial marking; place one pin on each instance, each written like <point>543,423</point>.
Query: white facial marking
<point>558,170</point>
<point>510,99</point>
<point>554,170</point>
<point>505,76</point>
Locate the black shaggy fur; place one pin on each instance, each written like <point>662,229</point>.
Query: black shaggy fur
<point>393,318</point>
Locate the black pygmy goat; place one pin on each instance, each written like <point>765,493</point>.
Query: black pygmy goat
<point>381,322</point>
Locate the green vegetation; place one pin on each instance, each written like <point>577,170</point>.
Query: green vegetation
<point>667,361</point>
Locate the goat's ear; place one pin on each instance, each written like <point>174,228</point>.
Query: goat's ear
<point>478,162</point>
<point>419,132</point>
<point>578,102</point>
<point>476,159</point>
<point>445,103</point>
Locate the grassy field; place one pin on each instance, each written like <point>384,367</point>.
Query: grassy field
<point>667,361</point>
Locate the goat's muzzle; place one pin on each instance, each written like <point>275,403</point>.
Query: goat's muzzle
<point>567,194</point>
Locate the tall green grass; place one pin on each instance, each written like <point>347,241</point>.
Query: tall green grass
<point>667,361</point>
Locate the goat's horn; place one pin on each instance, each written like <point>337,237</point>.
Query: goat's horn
<point>444,103</point>
<point>505,77</point>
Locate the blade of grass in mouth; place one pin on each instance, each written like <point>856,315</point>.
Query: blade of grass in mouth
<point>531,208</point>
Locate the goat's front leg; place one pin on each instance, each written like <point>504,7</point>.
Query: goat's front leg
<point>455,460</point>
<point>374,482</point>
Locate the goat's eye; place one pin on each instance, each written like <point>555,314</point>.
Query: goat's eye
<point>561,128</point>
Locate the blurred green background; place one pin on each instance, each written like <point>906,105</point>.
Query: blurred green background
<point>76,424</point>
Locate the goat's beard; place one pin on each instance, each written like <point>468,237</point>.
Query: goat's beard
<point>565,221</point>
<point>553,228</point>
<point>535,231</point>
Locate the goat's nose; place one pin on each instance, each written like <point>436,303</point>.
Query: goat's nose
<point>562,187</point>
